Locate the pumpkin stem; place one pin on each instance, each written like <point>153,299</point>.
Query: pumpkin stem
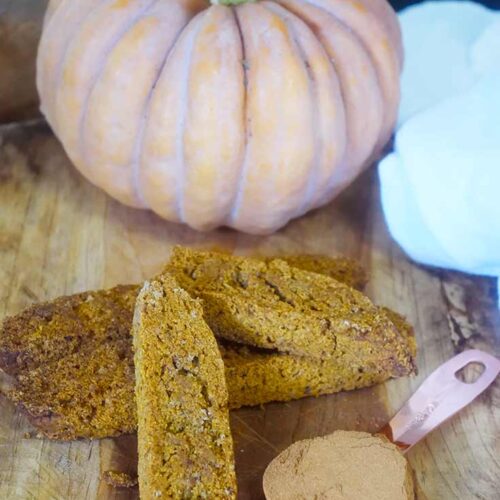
<point>230,2</point>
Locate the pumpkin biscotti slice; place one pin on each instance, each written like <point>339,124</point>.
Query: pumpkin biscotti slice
<point>272,305</point>
<point>184,439</point>
<point>257,376</point>
<point>70,364</point>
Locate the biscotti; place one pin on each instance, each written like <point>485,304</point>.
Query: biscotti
<point>62,326</point>
<point>87,389</point>
<point>184,440</point>
<point>72,362</point>
<point>272,305</point>
<point>257,376</point>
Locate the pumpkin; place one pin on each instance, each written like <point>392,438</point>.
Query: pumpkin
<point>244,115</point>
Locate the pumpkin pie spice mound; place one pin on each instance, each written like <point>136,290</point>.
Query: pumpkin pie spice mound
<point>345,465</point>
<point>184,440</point>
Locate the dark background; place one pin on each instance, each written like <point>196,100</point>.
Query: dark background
<point>400,4</point>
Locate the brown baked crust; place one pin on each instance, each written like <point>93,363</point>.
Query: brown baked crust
<point>88,395</point>
<point>184,439</point>
<point>258,376</point>
<point>405,328</point>
<point>343,269</point>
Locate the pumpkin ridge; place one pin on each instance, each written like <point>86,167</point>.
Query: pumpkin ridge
<point>280,143</point>
<point>114,118</point>
<point>136,162</point>
<point>339,161</point>
<point>71,135</point>
<point>285,15</point>
<point>97,76</point>
<point>382,10</point>
<point>159,162</point>
<point>248,131</point>
<point>72,86</point>
<point>381,72</point>
<point>387,73</point>
<point>230,216</point>
<point>51,10</point>
<point>42,75</point>
<point>214,138</point>
<point>181,176</point>
<point>326,33</point>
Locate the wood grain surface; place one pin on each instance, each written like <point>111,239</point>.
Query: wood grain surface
<point>59,235</point>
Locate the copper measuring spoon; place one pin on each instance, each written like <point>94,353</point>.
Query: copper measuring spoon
<point>440,396</point>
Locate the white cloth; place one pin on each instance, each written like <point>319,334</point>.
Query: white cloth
<point>441,185</point>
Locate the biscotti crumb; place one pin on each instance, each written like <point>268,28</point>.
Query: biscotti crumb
<point>184,439</point>
<point>118,479</point>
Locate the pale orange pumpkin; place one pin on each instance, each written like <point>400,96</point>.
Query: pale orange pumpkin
<point>243,115</point>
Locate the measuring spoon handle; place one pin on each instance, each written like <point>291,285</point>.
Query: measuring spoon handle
<point>440,396</point>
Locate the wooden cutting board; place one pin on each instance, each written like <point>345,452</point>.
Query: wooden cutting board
<point>59,235</point>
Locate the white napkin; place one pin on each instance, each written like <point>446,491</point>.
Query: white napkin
<point>438,39</point>
<point>441,185</point>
